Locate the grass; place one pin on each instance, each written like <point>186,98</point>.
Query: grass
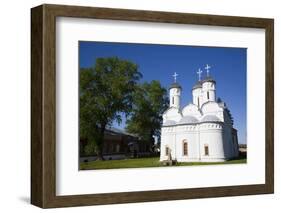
<point>145,162</point>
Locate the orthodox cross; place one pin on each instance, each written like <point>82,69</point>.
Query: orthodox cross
<point>199,74</point>
<point>207,69</point>
<point>175,76</point>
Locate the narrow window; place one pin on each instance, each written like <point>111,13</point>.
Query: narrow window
<point>167,151</point>
<point>198,101</point>
<point>111,148</point>
<point>117,148</point>
<point>208,97</point>
<point>185,149</point>
<point>206,149</point>
<point>173,100</point>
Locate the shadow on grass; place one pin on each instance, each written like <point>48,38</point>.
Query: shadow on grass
<point>148,162</point>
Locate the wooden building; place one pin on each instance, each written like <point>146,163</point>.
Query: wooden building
<point>118,144</point>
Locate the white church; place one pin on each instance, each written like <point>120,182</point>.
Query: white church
<point>201,131</point>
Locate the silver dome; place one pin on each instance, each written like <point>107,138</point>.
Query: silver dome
<point>210,118</point>
<point>169,123</point>
<point>188,120</point>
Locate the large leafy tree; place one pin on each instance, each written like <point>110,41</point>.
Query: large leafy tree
<point>106,91</point>
<point>149,102</point>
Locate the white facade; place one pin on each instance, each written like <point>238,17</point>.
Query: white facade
<point>201,131</point>
<point>175,97</point>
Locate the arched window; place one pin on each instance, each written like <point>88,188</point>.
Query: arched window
<point>206,149</point>
<point>208,97</point>
<point>185,148</point>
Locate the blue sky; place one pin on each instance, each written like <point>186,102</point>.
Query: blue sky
<point>159,62</point>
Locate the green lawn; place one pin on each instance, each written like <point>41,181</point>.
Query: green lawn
<point>143,162</point>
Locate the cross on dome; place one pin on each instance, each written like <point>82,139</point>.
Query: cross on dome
<point>207,69</point>
<point>175,77</point>
<point>199,74</point>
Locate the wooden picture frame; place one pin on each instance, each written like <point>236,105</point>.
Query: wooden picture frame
<point>43,105</point>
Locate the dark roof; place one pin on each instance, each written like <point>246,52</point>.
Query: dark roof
<point>208,79</point>
<point>115,131</point>
<point>175,85</point>
<point>197,85</point>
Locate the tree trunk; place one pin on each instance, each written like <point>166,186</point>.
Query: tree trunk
<point>151,140</point>
<point>100,144</point>
<point>100,155</point>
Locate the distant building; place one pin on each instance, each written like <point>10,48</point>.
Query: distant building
<point>119,144</point>
<point>202,131</point>
<point>243,150</point>
<point>118,141</point>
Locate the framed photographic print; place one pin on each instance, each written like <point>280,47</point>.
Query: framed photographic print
<point>136,106</point>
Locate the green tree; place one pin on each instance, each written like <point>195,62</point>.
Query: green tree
<point>106,91</point>
<point>150,101</point>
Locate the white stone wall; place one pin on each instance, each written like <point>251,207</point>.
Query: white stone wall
<point>211,134</point>
<point>167,140</point>
<point>173,114</point>
<point>230,144</point>
<point>197,94</point>
<point>236,146</point>
<point>208,87</point>
<point>212,108</point>
<point>196,136</point>
<point>205,94</point>
<point>175,97</point>
<point>188,134</point>
<point>191,110</point>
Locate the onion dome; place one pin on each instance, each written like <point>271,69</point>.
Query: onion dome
<point>188,120</point>
<point>210,118</point>
<point>208,79</point>
<point>197,85</point>
<point>169,123</point>
<point>175,85</point>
